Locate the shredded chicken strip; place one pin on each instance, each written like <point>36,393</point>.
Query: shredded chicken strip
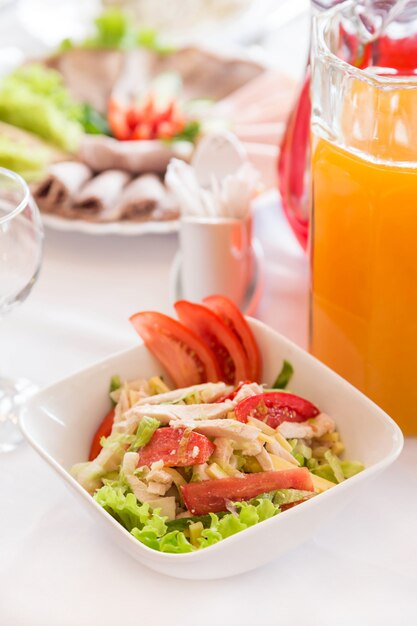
<point>144,492</point>
<point>252,389</point>
<point>167,413</point>
<point>234,430</point>
<point>209,391</point>
<point>316,427</point>
<point>265,461</point>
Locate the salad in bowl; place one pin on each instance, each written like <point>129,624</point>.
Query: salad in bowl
<point>184,467</point>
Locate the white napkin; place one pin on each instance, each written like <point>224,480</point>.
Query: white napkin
<point>220,182</point>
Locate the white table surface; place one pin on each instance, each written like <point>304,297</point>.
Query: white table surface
<point>57,569</point>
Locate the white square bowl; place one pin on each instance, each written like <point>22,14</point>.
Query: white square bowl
<point>59,423</point>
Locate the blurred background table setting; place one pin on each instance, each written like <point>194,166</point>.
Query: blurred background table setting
<point>161,152</point>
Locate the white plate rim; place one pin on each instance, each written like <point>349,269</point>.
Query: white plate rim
<point>127,228</point>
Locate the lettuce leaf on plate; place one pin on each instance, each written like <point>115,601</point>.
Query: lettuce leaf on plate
<point>35,99</point>
<point>116,30</point>
<point>143,435</point>
<point>284,376</point>
<point>348,469</point>
<point>154,531</point>
<point>146,428</point>
<point>26,160</point>
<point>126,509</point>
<point>144,524</point>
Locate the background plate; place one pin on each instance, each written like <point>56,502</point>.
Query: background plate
<point>110,228</point>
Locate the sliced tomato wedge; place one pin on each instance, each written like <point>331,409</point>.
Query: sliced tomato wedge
<point>176,447</point>
<point>186,358</point>
<point>211,495</point>
<point>230,355</point>
<point>233,318</point>
<point>104,430</point>
<point>273,408</point>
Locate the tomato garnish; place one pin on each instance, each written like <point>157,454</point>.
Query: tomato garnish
<point>176,447</point>
<point>211,495</point>
<point>144,121</point>
<point>273,408</point>
<point>233,318</point>
<point>186,358</point>
<point>229,353</point>
<point>143,130</point>
<point>104,430</point>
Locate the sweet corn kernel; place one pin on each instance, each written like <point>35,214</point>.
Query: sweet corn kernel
<point>337,448</point>
<point>331,437</point>
<point>252,465</point>
<point>319,452</point>
<point>195,533</point>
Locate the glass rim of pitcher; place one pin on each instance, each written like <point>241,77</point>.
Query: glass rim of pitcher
<point>321,22</point>
<point>26,194</point>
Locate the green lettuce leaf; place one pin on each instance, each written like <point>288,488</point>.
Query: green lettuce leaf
<point>45,82</point>
<point>284,376</point>
<point>143,435</point>
<point>350,468</point>
<point>347,468</point>
<point>116,438</point>
<point>34,98</point>
<point>115,29</point>
<point>288,496</point>
<point>324,471</point>
<point>183,522</point>
<point>26,160</point>
<point>301,452</point>
<point>115,383</point>
<point>93,122</point>
<point>209,537</point>
<point>334,463</point>
<point>154,531</point>
<point>34,112</point>
<point>146,428</point>
<point>175,542</point>
<point>189,133</point>
<point>248,514</point>
<point>148,537</point>
<point>126,509</point>
<point>144,524</point>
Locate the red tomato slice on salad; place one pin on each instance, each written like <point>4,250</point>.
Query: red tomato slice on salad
<point>211,495</point>
<point>229,353</point>
<point>273,408</point>
<point>104,430</point>
<point>233,318</point>
<point>186,358</point>
<point>176,447</point>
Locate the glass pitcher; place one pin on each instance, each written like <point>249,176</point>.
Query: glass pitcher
<point>395,48</point>
<point>363,232</point>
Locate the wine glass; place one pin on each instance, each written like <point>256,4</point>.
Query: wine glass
<point>21,237</point>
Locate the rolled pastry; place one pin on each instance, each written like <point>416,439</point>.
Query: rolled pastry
<point>99,195</point>
<point>141,199</point>
<point>58,188</point>
<point>102,153</point>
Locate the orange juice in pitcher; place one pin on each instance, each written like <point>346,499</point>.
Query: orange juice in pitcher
<point>363,235</point>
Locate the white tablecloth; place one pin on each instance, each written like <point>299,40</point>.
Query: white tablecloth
<point>57,569</point>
